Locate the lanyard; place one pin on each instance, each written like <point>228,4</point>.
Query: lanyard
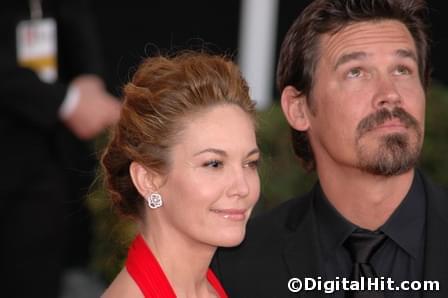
<point>35,9</point>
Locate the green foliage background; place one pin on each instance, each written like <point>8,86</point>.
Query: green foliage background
<point>281,176</point>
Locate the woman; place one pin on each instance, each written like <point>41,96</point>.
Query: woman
<point>182,161</point>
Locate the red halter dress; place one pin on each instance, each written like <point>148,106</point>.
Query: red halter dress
<point>147,273</point>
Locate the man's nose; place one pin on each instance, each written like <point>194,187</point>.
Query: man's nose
<point>387,94</point>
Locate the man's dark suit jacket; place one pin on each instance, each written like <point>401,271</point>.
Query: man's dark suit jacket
<point>283,244</point>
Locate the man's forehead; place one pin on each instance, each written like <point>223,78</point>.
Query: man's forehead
<point>360,36</point>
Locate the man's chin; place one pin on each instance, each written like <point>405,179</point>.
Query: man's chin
<point>393,157</point>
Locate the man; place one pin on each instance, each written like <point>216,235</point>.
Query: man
<point>353,76</point>
<point>52,99</point>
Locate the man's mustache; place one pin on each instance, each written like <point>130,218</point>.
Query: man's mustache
<point>380,117</point>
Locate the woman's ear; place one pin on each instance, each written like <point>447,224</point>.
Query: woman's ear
<point>294,106</point>
<point>144,179</point>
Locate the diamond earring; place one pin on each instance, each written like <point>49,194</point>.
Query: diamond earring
<point>154,200</point>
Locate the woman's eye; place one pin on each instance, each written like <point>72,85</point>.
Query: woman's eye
<point>253,164</point>
<point>213,164</point>
<point>354,73</point>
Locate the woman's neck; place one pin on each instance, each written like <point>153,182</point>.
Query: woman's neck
<point>184,261</point>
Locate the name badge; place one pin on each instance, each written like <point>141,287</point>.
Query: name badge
<point>36,43</point>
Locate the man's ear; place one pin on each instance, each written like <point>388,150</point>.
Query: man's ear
<point>145,180</point>
<point>294,106</point>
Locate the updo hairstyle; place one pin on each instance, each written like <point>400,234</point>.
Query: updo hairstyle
<point>163,94</point>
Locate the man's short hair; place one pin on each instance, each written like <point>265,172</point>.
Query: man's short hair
<point>299,52</point>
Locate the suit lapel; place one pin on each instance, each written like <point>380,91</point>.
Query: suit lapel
<point>301,250</point>
<point>436,248</point>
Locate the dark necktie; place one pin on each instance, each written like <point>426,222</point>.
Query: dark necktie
<point>362,245</point>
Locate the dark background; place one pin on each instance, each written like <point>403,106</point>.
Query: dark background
<point>132,29</point>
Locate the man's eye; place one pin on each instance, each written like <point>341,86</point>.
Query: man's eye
<point>402,70</point>
<point>354,73</point>
<point>213,164</point>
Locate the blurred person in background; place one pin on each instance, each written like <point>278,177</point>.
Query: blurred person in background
<point>52,101</point>
<point>182,162</point>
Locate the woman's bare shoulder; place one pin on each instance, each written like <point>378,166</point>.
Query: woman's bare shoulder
<point>123,286</point>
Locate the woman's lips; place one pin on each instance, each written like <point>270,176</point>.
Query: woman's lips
<point>231,214</point>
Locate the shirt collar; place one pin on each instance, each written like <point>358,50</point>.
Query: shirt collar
<point>332,226</point>
<point>405,226</point>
